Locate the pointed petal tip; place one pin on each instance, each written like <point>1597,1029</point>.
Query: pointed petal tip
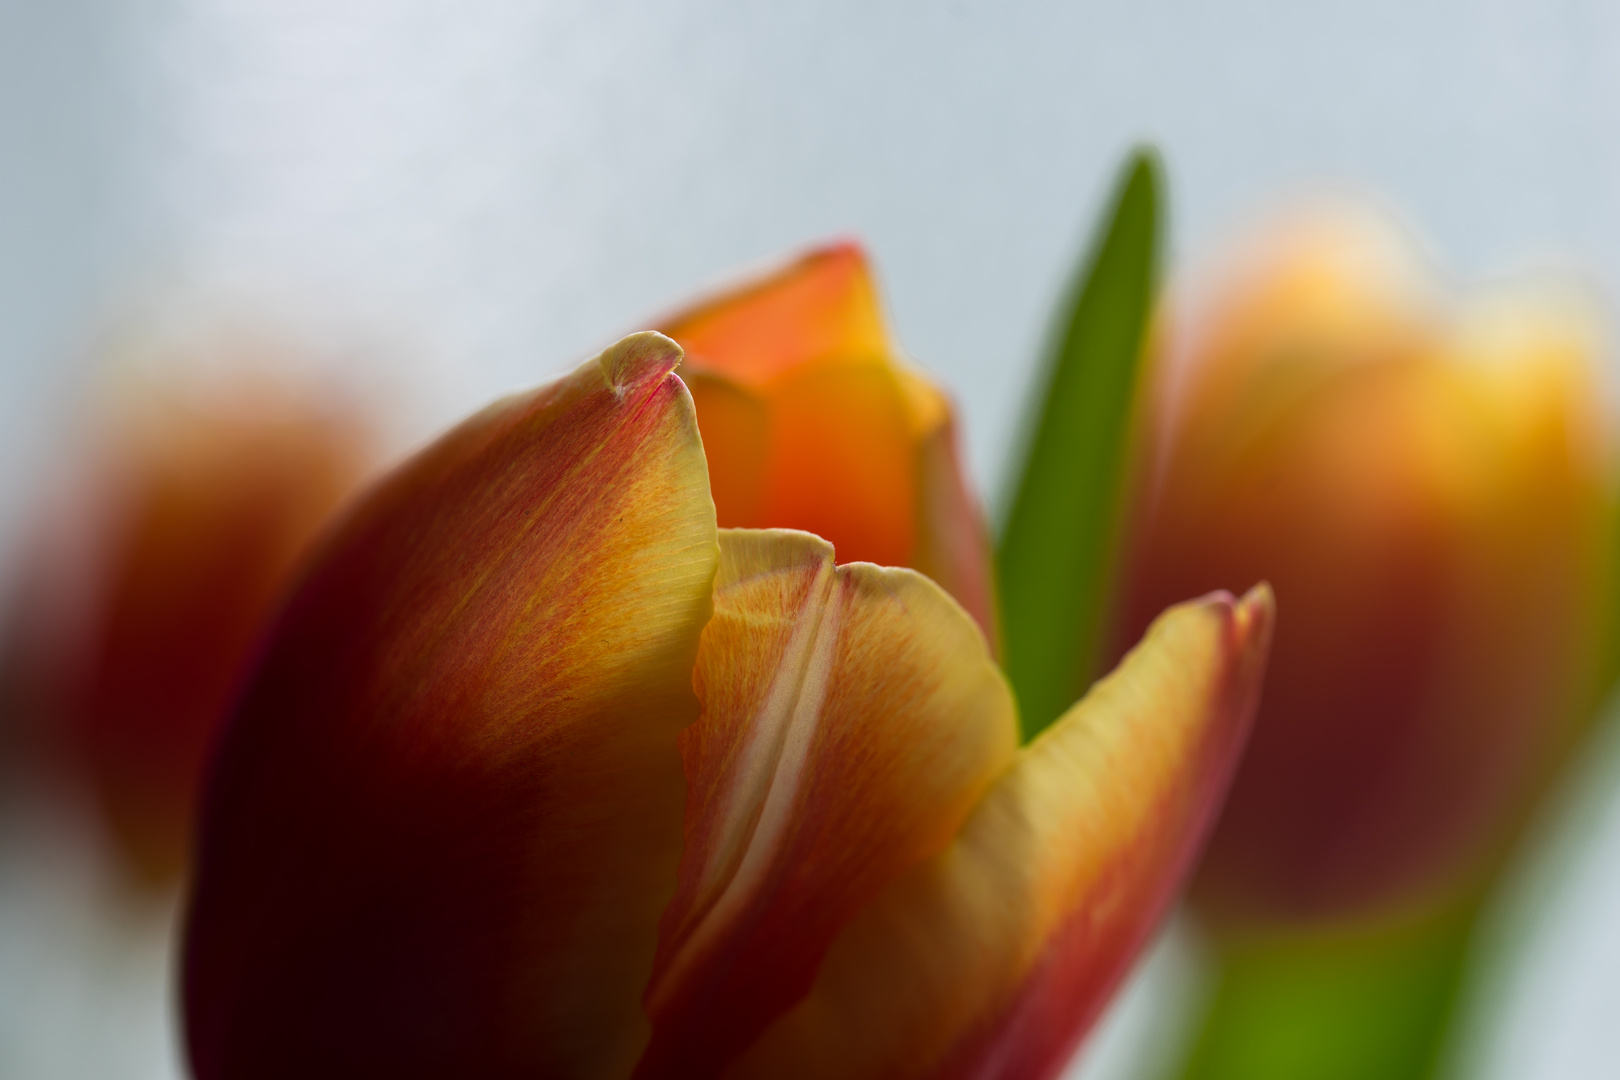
<point>1252,619</point>
<point>749,553</point>
<point>1257,610</point>
<point>1251,616</point>
<point>848,249</point>
<point>639,359</point>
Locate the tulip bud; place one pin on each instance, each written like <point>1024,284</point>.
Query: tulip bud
<point>446,832</point>
<point>145,594</point>
<point>811,420</point>
<point>1425,487</point>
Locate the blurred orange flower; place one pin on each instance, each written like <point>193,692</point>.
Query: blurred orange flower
<point>146,592</point>
<point>811,420</point>
<point>1425,485</point>
<point>542,773</point>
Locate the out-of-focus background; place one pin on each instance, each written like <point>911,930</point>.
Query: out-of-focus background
<point>452,199</point>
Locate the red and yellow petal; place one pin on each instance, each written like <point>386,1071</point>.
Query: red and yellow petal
<point>447,814</point>
<point>993,958</point>
<point>852,718</point>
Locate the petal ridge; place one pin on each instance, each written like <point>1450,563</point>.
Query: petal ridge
<point>900,721</point>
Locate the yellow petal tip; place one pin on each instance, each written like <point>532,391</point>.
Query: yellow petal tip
<point>639,359</point>
<point>1257,610</point>
<point>748,553</point>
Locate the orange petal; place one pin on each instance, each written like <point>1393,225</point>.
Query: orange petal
<point>447,814</point>
<point>811,421</point>
<point>851,719</point>
<point>736,425</point>
<point>823,305</point>
<point>843,462</point>
<point>993,958</point>
<point>828,449</point>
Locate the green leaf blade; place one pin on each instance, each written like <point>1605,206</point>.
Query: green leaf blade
<point>1056,554</point>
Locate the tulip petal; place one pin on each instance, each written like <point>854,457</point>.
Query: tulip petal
<point>812,421</point>
<point>777,460</point>
<point>842,463</point>
<point>736,425</point>
<point>953,539</point>
<point>806,418</point>
<point>447,815</point>
<point>993,958</point>
<point>822,305</point>
<point>851,719</point>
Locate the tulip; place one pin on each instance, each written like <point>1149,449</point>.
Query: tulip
<point>542,773</point>
<point>146,592</point>
<point>812,421</point>
<point>1424,484</point>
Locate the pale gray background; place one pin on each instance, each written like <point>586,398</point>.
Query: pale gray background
<point>467,195</point>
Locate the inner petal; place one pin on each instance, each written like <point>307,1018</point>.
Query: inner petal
<point>770,597</point>
<point>851,718</point>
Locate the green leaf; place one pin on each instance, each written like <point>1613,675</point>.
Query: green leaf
<point>1337,1004</point>
<point>1055,558</point>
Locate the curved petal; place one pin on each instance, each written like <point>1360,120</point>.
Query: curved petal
<point>851,719</point>
<point>812,421</point>
<point>447,814</point>
<point>822,305</point>
<point>993,959</point>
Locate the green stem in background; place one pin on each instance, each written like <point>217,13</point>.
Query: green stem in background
<point>1056,553</point>
<point>1361,1004</point>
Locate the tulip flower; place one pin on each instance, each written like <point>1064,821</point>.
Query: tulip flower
<point>1424,484</point>
<point>812,421</point>
<point>542,773</point>
<point>146,593</point>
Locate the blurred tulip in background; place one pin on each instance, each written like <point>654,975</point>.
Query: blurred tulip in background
<point>161,550</point>
<point>1426,483</point>
<point>812,420</point>
<point>447,832</point>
